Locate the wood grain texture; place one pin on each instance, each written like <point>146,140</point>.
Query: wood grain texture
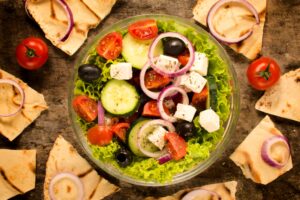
<point>281,41</point>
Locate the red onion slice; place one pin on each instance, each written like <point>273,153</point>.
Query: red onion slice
<point>75,179</point>
<point>165,158</point>
<point>168,91</point>
<point>164,71</point>
<point>141,135</point>
<point>195,194</point>
<point>64,4</point>
<point>152,95</point>
<point>266,151</point>
<point>215,8</point>
<point>22,93</point>
<point>101,116</point>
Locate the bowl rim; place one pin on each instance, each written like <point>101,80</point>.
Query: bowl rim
<point>230,124</point>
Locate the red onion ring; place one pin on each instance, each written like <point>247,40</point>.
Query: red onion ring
<point>72,177</point>
<point>101,117</point>
<point>214,9</point>
<point>266,151</point>
<point>141,135</point>
<point>22,93</point>
<point>152,95</point>
<point>165,72</point>
<point>198,193</point>
<point>64,4</point>
<point>165,93</point>
<point>165,158</point>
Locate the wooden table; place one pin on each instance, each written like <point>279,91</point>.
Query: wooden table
<point>281,41</point>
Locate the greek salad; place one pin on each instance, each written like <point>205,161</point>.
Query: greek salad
<point>152,99</point>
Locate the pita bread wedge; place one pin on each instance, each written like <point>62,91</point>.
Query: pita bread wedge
<point>17,172</point>
<point>52,18</point>
<point>283,99</point>
<point>13,126</point>
<point>226,190</point>
<point>248,154</point>
<point>64,158</point>
<point>233,20</point>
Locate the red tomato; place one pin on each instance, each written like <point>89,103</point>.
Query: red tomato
<point>263,73</point>
<point>144,29</point>
<point>151,109</point>
<point>100,135</point>
<point>176,145</point>
<point>85,107</point>
<point>184,58</point>
<point>32,53</point>
<point>110,46</point>
<point>199,99</point>
<point>154,80</point>
<point>120,130</point>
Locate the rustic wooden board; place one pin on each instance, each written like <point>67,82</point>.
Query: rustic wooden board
<point>281,41</point>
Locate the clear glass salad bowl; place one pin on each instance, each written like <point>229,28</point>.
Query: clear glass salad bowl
<point>229,125</point>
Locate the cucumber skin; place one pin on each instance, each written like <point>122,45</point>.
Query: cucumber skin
<point>212,92</point>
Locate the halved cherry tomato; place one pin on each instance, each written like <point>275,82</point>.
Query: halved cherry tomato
<point>176,145</point>
<point>154,80</point>
<point>199,99</point>
<point>263,73</point>
<point>110,46</point>
<point>120,130</point>
<point>144,29</point>
<point>100,135</point>
<point>184,58</point>
<point>85,107</point>
<point>151,109</point>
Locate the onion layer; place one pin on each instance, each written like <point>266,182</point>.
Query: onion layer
<point>215,8</point>
<point>152,95</point>
<point>195,194</point>
<point>22,93</point>
<point>165,158</point>
<point>164,71</point>
<point>266,151</point>
<point>101,117</point>
<point>64,4</point>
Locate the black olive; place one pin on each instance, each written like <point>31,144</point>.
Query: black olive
<point>89,72</point>
<point>174,47</point>
<point>123,156</point>
<point>185,129</point>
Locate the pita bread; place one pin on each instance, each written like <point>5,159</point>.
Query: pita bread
<point>53,20</point>
<point>248,154</point>
<point>17,172</point>
<point>283,99</point>
<point>13,126</point>
<point>234,21</point>
<point>64,158</point>
<point>226,190</point>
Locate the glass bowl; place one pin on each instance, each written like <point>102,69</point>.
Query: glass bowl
<point>229,125</point>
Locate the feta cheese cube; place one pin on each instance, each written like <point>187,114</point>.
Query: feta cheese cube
<point>121,71</point>
<point>209,120</point>
<point>200,64</point>
<point>193,81</point>
<point>168,63</point>
<point>158,137</point>
<point>185,112</point>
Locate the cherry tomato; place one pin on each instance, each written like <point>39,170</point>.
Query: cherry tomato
<point>176,145</point>
<point>144,29</point>
<point>184,58</point>
<point>263,73</point>
<point>32,53</point>
<point>120,130</point>
<point>110,46</point>
<point>85,107</point>
<point>151,109</point>
<point>199,99</point>
<point>100,135</point>
<point>154,80</point>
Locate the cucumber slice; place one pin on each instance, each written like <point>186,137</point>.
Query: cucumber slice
<point>136,51</point>
<point>118,97</point>
<point>212,92</point>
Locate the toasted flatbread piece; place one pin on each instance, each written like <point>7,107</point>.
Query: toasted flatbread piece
<point>53,20</point>
<point>64,158</point>
<point>233,20</point>
<point>248,154</point>
<point>17,172</point>
<point>283,99</point>
<point>11,127</point>
<point>226,190</point>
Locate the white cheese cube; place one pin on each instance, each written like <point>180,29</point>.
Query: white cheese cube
<point>185,112</point>
<point>121,71</point>
<point>193,81</point>
<point>158,137</point>
<point>200,64</point>
<point>209,120</point>
<point>167,63</point>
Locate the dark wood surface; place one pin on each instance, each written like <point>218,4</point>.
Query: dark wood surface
<point>281,41</point>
